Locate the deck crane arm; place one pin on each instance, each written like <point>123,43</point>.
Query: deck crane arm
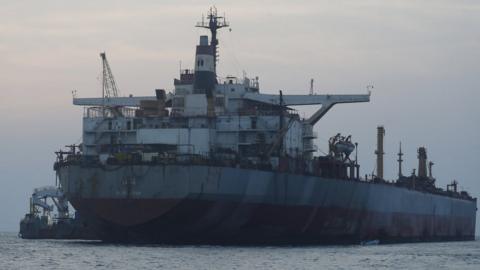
<point>327,101</point>
<point>109,87</point>
<point>40,195</point>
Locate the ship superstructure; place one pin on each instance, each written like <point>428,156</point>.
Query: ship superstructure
<point>215,160</point>
<point>207,116</point>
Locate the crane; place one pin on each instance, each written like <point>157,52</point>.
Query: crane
<point>109,87</point>
<point>40,196</point>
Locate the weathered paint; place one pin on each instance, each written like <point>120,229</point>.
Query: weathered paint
<point>182,203</point>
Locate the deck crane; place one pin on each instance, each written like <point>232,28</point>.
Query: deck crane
<point>109,86</point>
<point>39,199</point>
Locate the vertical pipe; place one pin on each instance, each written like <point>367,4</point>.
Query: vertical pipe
<point>422,162</point>
<point>357,167</point>
<point>379,152</point>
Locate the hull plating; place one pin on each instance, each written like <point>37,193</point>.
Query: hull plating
<point>201,204</point>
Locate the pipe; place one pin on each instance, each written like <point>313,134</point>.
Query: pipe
<point>379,152</point>
<point>422,162</point>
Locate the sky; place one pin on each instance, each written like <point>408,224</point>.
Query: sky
<point>422,57</point>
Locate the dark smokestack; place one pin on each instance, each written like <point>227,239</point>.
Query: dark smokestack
<point>422,162</point>
<point>379,152</point>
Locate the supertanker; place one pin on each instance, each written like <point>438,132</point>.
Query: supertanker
<point>216,161</point>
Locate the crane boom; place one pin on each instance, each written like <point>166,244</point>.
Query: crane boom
<point>109,87</point>
<point>39,198</point>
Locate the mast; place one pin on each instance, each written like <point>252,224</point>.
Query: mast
<point>400,160</point>
<point>280,126</point>
<point>213,23</point>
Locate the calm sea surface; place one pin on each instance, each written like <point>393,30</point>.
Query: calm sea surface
<point>17,253</point>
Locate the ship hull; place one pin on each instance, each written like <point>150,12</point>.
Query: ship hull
<point>223,205</point>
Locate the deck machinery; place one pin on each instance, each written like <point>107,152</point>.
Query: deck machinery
<point>216,161</point>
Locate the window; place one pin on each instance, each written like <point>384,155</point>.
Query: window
<point>129,125</point>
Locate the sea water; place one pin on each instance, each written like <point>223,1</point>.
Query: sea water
<point>16,253</point>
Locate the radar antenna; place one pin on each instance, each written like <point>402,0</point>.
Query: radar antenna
<point>214,22</point>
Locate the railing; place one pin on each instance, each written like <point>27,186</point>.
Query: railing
<point>107,112</point>
<point>222,160</point>
<point>248,82</point>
